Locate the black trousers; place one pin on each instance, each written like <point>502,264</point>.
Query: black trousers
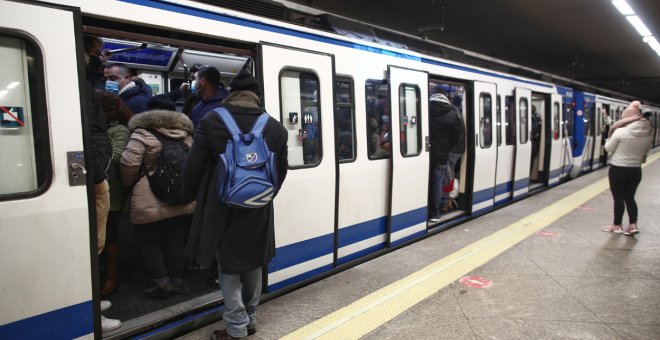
<point>162,246</point>
<point>623,183</point>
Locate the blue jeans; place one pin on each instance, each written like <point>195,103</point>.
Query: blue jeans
<point>241,293</point>
<point>438,173</point>
<point>451,165</point>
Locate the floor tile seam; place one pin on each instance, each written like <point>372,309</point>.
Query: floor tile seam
<point>534,319</point>
<point>606,277</point>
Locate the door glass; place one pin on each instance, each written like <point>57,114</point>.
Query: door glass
<point>510,119</point>
<point>378,119</point>
<point>299,98</point>
<point>485,120</point>
<point>344,120</point>
<point>555,121</point>
<point>524,125</point>
<point>410,120</point>
<point>25,165</point>
<point>499,120</point>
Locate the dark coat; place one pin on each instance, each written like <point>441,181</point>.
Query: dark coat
<point>244,237</point>
<point>137,97</point>
<point>203,106</point>
<point>447,132</point>
<point>101,148</point>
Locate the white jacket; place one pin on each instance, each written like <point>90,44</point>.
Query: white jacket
<point>630,144</point>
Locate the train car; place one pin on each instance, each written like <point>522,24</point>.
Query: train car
<point>357,116</point>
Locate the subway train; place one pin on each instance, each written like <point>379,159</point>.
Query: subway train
<point>354,99</point>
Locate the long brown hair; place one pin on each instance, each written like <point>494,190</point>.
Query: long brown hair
<point>114,108</point>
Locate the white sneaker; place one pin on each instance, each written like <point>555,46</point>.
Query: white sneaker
<point>105,304</point>
<point>108,325</point>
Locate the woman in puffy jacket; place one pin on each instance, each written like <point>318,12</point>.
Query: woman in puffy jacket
<point>160,229</point>
<point>629,143</point>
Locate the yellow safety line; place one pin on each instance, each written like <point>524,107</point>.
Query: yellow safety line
<point>372,311</point>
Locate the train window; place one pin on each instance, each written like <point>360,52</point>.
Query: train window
<point>568,119</point>
<point>598,122</point>
<point>524,125</point>
<point>555,121</point>
<point>499,120</point>
<point>345,120</point>
<point>485,120</point>
<point>301,113</point>
<point>25,151</point>
<point>586,118</point>
<point>410,120</point>
<point>510,119</point>
<point>378,119</point>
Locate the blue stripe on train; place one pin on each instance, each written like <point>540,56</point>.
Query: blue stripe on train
<point>180,8</point>
<point>64,323</point>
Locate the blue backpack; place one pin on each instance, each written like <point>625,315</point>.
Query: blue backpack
<point>247,175</point>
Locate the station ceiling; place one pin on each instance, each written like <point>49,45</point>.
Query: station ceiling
<point>585,40</point>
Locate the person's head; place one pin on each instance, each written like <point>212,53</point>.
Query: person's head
<point>457,101</point>
<point>206,82</point>
<point>245,81</point>
<point>161,102</point>
<point>117,76</point>
<point>436,103</point>
<point>635,109</point>
<point>93,46</point>
<point>114,108</point>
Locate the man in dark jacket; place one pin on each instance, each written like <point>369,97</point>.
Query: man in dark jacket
<point>209,90</point>
<point>447,132</point>
<point>134,94</point>
<point>241,239</point>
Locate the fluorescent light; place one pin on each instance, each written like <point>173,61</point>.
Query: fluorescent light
<point>638,25</point>
<point>623,7</point>
<point>12,85</point>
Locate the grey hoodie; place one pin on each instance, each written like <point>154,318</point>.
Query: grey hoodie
<point>630,144</point>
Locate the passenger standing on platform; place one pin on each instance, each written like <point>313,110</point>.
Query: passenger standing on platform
<point>210,91</point>
<point>241,239</point>
<point>160,228</point>
<point>629,143</point>
<point>135,94</point>
<point>447,131</point>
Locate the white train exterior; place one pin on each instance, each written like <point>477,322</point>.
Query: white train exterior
<point>330,214</point>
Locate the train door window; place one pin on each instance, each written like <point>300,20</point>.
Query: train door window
<point>586,118</point>
<point>345,120</point>
<point>524,126</point>
<point>555,121</point>
<point>568,119</point>
<point>378,118</point>
<point>299,99</point>
<point>499,120</point>
<point>25,164</point>
<point>485,120</point>
<point>410,120</point>
<point>510,119</point>
<point>598,121</point>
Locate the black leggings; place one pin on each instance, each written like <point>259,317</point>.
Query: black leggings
<point>623,183</point>
<point>162,246</point>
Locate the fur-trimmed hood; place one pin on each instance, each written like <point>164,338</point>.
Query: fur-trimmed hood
<point>161,119</point>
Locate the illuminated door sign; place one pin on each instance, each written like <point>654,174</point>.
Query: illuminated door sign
<point>12,116</point>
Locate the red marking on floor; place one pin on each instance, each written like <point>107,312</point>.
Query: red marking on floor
<point>476,282</point>
<point>582,207</point>
<point>544,233</point>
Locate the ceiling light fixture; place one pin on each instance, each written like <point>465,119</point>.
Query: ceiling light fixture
<point>637,23</point>
<point>623,7</point>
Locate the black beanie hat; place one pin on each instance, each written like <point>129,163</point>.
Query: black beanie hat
<point>244,81</point>
<point>161,102</point>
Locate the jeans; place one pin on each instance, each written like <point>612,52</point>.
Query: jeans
<point>451,166</point>
<point>623,183</point>
<point>241,294</point>
<point>438,173</point>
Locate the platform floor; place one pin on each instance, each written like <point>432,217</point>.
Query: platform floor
<point>569,280</point>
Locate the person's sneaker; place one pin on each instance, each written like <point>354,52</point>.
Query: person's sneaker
<point>613,228</point>
<point>631,230</point>
<point>434,219</point>
<point>221,334</point>
<point>105,304</point>
<point>251,330</point>
<point>108,325</point>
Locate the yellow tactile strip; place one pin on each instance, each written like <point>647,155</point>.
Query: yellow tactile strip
<point>372,311</point>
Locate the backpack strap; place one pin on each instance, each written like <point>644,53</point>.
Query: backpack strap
<point>260,124</point>
<point>229,121</point>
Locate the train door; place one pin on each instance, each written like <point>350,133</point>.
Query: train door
<point>298,91</point>
<point>557,140</point>
<point>524,145</point>
<point>485,153</point>
<point>598,136</point>
<point>538,171</point>
<point>410,154</point>
<point>46,198</point>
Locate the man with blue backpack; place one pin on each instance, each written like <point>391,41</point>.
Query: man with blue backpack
<point>236,166</point>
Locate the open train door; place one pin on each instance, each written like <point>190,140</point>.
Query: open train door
<point>485,153</point>
<point>556,142</point>
<point>410,158</point>
<point>298,91</point>
<point>523,144</point>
